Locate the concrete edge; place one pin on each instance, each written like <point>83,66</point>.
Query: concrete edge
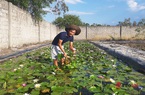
<point>21,52</point>
<point>136,64</point>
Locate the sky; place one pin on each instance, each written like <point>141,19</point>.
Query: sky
<point>109,12</point>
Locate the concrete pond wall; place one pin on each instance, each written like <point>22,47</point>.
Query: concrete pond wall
<point>17,27</point>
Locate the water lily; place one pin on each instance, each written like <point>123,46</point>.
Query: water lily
<point>35,80</point>
<point>53,73</point>
<point>23,84</point>
<point>112,60</point>
<point>113,81</point>
<point>114,66</point>
<point>21,66</point>
<point>132,81</point>
<point>26,94</point>
<point>118,85</point>
<point>37,85</point>
<point>15,69</point>
<point>134,85</point>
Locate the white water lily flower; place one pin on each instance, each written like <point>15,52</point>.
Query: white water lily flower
<point>114,66</point>
<point>112,60</point>
<point>35,80</point>
<point>37,85</point>
<point>53,73</point>
<point>132,81</point>
<point>21,66</point>
<point>26,94</point>
<point>15,69</point>
<point>113,81</point>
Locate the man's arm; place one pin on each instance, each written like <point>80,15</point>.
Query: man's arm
<point>61,48</point>
<point>71,47</point>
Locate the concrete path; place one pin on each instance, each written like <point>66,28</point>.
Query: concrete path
<point>133,57</point>
<point>19,52</point>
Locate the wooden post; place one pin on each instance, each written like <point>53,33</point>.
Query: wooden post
<point>86,32</point>
<point>120,31</point>
<point>9,24</point>
<point>39,36</point>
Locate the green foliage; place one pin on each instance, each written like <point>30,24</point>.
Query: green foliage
<point>36,7</point>
<point>67,20</point>
<point>141,22</point>
<point>60,56</point>
<point>126,22</point>
<point>33,74</point>
<point>141,29</point>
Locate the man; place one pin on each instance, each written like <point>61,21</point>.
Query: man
<point>60,39</point>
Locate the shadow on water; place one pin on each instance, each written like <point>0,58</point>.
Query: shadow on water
<point>40,59</point>
<point>137,65</point>
<point>83,91</point>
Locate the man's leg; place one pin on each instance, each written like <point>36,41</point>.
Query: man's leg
<point>55,62</point>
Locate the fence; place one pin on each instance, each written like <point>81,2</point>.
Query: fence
<point>107,33</point>
<point>18,28</point>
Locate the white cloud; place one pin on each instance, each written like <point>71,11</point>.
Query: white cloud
<point>73,1</point>
<point>80,13</point>
<point>134,6</point>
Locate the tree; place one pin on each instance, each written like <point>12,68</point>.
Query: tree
<point>141,28</point>
<point>134,23</point>
<point>126,22</point>
<point>66,20</point>
<point>36,7</point>
<point>141,22</point>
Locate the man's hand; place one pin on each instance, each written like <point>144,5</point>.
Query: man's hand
<point>65,54</point>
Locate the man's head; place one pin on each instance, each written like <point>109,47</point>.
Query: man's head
<point>73,30</point>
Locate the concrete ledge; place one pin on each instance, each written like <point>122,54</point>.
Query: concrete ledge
<point>21,52</point>
<point>131,56</point>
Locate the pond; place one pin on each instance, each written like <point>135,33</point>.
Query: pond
<point>91,72</point>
